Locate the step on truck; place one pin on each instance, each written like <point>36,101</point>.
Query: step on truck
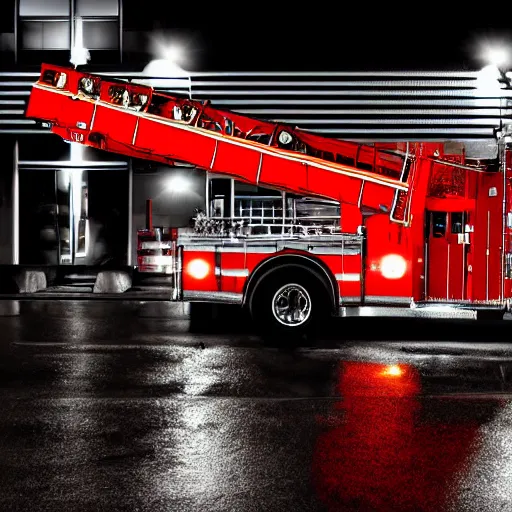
<point>349,227</point>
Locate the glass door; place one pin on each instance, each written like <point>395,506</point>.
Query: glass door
<point>71,191</point>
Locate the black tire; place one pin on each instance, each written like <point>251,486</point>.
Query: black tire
<point>290,286</point>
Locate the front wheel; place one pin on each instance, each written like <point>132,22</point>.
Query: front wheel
<point>289,305</point>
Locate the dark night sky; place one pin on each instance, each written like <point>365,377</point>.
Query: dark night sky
<point>332,36</point>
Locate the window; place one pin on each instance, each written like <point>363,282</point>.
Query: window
<point>439,224</point>
<point>258,204</point>
<point>45,35</point>
<point>457,223</point>
<point>36,8</point>
<point>97,8</point>
<point>101,35</point>
<point>7,20</point>
<point>46,25</point>
<point>220,197</point>
<point>247,189</point>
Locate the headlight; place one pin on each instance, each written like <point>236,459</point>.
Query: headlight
<point>198,269</point>
<point>393,266</point>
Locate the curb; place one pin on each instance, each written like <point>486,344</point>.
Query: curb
<point>87,296</point>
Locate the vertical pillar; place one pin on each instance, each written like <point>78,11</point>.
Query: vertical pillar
<point>149,214</point>
<point>16,11</point>
<point>232,198</point>
<point>207,195</point>
<point>72,233</point>
<point>129,258</point>
<point>283,216</point>
<point>72,27</point>
<point>16,207</point>
<point>120,20</point>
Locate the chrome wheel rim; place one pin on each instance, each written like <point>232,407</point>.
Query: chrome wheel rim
<point>291,305</point>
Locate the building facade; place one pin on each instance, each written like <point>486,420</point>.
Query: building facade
<point>65,205</point>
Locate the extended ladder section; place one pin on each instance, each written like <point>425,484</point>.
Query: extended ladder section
<point>137,121</point>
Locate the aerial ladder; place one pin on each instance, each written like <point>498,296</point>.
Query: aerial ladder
<point>379,253</point>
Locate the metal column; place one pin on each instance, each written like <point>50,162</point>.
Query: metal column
<point>130,214</point>
<point>16,207</point>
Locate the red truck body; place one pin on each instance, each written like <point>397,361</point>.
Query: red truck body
<point>419,223</point>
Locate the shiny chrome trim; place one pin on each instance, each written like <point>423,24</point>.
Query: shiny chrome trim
<point>360,198</point>
<point>482,168</point>
<point>238,249</point>
<point>348,277</point>
<point>214,154</point>
<point>383,299</point>
<point>404,311</point>
<point>270,249</point>
<point>332,250</point>
<point>259,168</point>
<point>226,297</point>
<point>291,305</point>
<point>93,115</point>
<point>234,272</point>
<point>350,299</point>
<point>135,130</point>
<point>441,305</point>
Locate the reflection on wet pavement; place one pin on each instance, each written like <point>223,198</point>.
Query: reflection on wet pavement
<point>121,408</point>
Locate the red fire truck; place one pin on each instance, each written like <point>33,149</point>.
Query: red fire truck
<point>344,225</point>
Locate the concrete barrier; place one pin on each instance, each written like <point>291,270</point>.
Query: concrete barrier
<point>9,307</point>
<point>30,281</point>
<point>112,281</point>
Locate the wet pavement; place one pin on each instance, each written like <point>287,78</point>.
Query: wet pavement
<point>117,406</point>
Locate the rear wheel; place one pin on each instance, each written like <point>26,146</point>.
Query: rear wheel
<point>289,305</point>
